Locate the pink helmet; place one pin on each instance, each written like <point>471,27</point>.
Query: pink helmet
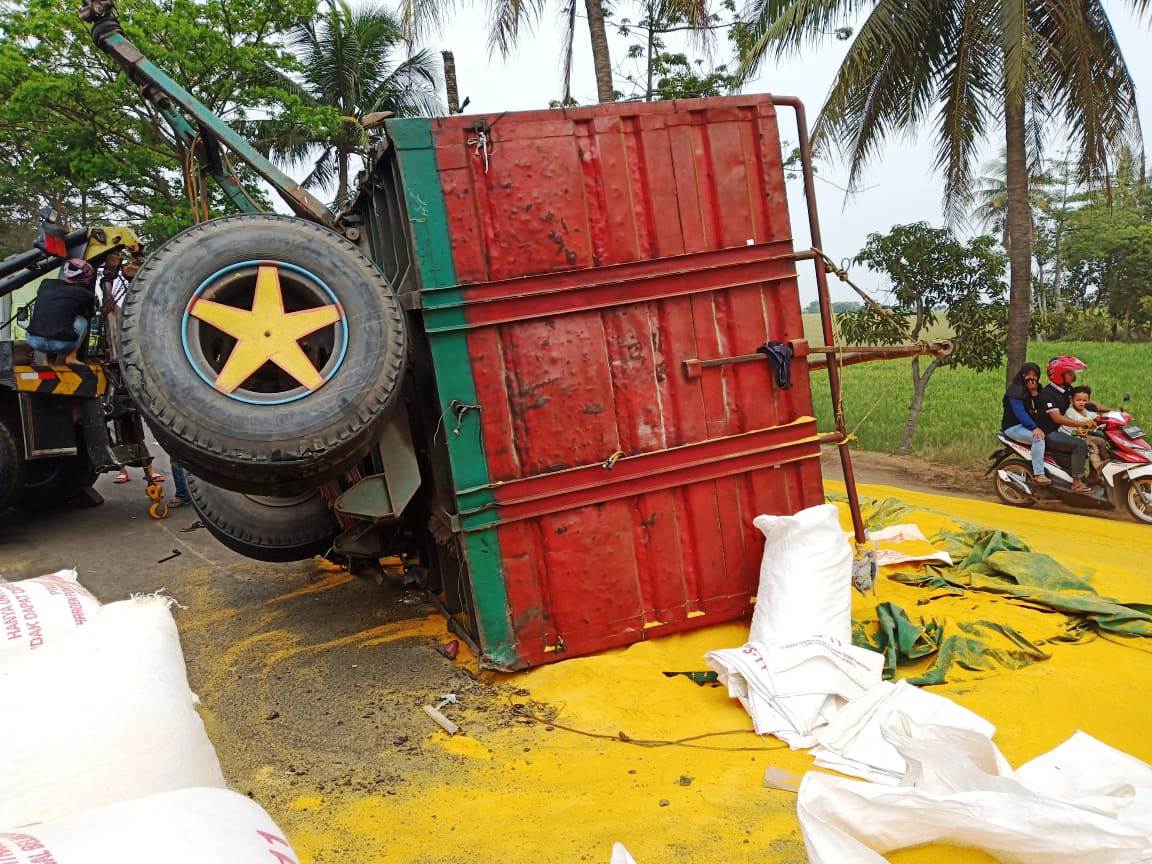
<point>79,271</point>
<point>1059,366</point>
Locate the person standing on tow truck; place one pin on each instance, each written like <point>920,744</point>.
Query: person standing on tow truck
<point>1055,399</point>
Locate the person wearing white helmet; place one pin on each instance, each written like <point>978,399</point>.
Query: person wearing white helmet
<point>63,309</point>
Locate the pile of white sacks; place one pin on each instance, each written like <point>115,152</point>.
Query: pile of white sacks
<point>930,772</point>
<point>104,759</point>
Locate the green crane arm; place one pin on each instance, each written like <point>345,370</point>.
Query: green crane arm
<point>206,132</point>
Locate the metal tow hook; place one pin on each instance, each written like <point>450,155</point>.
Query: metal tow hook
<point>158,509</point>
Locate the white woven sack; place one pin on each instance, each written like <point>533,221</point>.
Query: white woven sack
<point>33,612</point>
<point>189,826</point>
<point>805,578</point>
<point>103,714</point>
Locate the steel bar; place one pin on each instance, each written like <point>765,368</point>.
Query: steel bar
<point>21,269</point>
<point>825,306</point>
<point>160,89</point>
<point>848,355</point>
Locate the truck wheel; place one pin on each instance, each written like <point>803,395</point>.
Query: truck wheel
<point>264,351</point>
<point>54,482</point>
<point>265,528</point>
<point>11,463</point>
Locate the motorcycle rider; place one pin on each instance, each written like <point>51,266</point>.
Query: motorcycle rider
<point>1054,400</point>
<point>1021,417</point>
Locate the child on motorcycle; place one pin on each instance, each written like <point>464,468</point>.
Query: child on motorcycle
<point>1082,410</point>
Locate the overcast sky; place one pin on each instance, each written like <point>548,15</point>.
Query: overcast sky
<point>900,186</point>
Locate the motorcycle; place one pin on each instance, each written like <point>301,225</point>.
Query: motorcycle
<point>1125,480</point>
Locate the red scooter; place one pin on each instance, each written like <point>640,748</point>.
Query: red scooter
<point>1124,481</point>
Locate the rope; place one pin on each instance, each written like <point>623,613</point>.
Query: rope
<point>842,274</point>
<point>194,185</point>
<point>625,738</point>
<point>867,414</point>
<point>239,185</point>
<point>900,326</point>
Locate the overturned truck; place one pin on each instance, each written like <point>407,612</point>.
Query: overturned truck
<point>524,357</point>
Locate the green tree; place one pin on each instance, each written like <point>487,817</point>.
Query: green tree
<point>355,63</point>
<point>990,194</point>
<point>966,66</point>
<point>1108,249</point>
<point>509,18</point>
<point>654,73</point>
<point>839,307</point>
<point>929,270</point>
<point>75,133</point>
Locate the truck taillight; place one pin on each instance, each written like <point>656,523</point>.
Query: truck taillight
<point>55,245</point>
<point>52,241</point>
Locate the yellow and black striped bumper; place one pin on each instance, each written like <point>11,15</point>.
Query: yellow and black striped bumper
<point>73,379</point>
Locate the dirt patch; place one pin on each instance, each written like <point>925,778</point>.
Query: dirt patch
<point>907,472</point>
<point>314,685</point>
<point>922,475</point>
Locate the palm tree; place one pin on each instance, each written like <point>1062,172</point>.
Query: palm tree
<point>969,65</point>
<point>357,62</point>
<point>990,195</point>
<point>509,18</point>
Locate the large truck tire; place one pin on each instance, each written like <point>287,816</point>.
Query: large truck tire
<point>262,402</point>
<point>11,463</point>
<point>265,528</point>
<point>54,482</point>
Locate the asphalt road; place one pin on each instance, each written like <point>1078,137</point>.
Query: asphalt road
<point>117,547</point>
<point>310,680</point>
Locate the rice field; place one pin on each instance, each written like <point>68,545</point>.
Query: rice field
<point>962,408</point>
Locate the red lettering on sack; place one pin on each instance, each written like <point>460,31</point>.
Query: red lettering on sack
<point>57,585</point>
<point>272,840</point>
<point>77,610</point>
<point>24,602</point>
<point>8,617</point>
<point>25,843</point>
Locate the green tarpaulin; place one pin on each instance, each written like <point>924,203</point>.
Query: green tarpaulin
<point>993,562</point>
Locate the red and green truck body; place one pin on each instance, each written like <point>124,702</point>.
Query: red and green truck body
<point>569,271</point>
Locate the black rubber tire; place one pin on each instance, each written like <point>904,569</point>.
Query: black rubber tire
<point>1007,494</point>
<point>1132,498</point>
<point>265,450</point>
<point>262,530</point>
<point>11,463</point>
<point>54,482</point>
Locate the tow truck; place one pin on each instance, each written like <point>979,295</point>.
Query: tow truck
<point>55,417</point>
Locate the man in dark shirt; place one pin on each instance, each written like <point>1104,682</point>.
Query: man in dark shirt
<point>1054,400</point>
<point>63,309</point>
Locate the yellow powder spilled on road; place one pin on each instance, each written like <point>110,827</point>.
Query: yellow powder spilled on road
<point>308,802</point>
<point>380,635</point>
<point>540,796</point>
<point>460,745</point>
<point>333,578</point>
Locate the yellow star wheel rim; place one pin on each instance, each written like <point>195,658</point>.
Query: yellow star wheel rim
<point>266,333</point>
